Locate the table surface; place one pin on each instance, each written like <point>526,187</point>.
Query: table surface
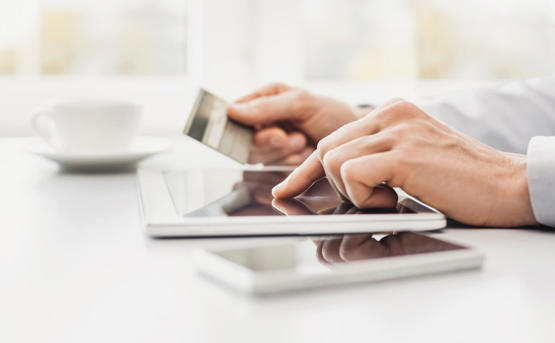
<point>75,266</point>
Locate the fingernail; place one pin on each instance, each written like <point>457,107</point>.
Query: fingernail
<point>297,142</point>
<point>277,188</point>
<point>276,142</point>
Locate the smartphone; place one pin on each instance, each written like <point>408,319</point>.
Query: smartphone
<point>336,260</point>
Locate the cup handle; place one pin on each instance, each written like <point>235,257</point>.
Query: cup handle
<point>43,124</point>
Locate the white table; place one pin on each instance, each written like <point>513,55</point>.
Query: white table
<point>75,266</point>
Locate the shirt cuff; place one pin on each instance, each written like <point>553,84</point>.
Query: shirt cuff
<point>540,168</point>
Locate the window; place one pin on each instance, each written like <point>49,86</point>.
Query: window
<point>53,37</point>
<point>308,39</point>
<point>158,50</point>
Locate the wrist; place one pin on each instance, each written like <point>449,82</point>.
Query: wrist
<point>519,193</point>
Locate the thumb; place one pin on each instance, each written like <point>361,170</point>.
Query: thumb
<point>268,109</point>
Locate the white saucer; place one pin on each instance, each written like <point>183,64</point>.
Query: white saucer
<point>142,148</point>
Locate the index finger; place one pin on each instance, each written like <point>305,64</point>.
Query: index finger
<point>300,179</point>
<point>269,109</point>
<point>271,89</point>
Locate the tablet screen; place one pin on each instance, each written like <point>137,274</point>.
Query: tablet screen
<point>230,192</point>
<point>316,255</point>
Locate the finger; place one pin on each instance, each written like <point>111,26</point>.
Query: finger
<point>297,141</point>
<point>389,103</point>
<point>365,126</point>
<point>291,207</point>
<point>268,109</point>
<point>273,136</point>
<point>357,247</point>
<point>267,90</point>
<point>343,208</point>
<point>266,141</point>
<point>393,245</point>
<point>360,247</point>
<point>330,250</point>
<point>300,179</point>
<point>295,144</point>
<point>319,254</point>
<point>362,146</point>
<point>353,210</point>
<point>363,178</point>
<point>296,159</point>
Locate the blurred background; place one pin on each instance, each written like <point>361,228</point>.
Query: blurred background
<point>158,51</point>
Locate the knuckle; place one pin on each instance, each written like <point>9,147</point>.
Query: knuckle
<point>348,171</point>
<point>303,101</point>
<point>277,86</point>
<point>396,100</point>
<point>303,96</point>
<point>404,110</point>
<point>322,147</point>
<point>427,127</point>
<point>390,140</point>
<point>329,159</point>
<point>394,110</point>
<point>392,102</point>
<point>380,116</point>
<point>404,106</point>
<point>403,130</point>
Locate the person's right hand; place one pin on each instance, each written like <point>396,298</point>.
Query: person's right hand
<point>289,121</point>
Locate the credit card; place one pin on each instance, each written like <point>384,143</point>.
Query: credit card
<point>209,124</point>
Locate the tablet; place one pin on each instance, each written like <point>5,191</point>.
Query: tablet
<point>271,268</point>
<point>238,202</point>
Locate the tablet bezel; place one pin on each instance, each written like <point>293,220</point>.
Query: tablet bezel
<point>160,218</point>
<point>211,264</point>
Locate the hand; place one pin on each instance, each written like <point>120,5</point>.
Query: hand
<point>319,198</point>
<point>289,121</point>
<point>401,146</point>
<point>275,146</point>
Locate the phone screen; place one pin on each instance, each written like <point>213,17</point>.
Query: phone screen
<point>324,253</point>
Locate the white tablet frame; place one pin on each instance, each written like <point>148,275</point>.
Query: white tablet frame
<point>160,218</point>
<point>244,280</point>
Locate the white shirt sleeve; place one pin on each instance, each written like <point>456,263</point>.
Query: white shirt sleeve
<point>540,165</point>
<point>508,118</point>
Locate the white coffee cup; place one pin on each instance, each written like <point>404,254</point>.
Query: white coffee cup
<point>88,126</point>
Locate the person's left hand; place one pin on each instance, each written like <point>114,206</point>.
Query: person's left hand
<point>273,145</point>
<point>400,145</point>
<point>289,121</point>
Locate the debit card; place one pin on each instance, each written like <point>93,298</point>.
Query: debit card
<point>209,124</point>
